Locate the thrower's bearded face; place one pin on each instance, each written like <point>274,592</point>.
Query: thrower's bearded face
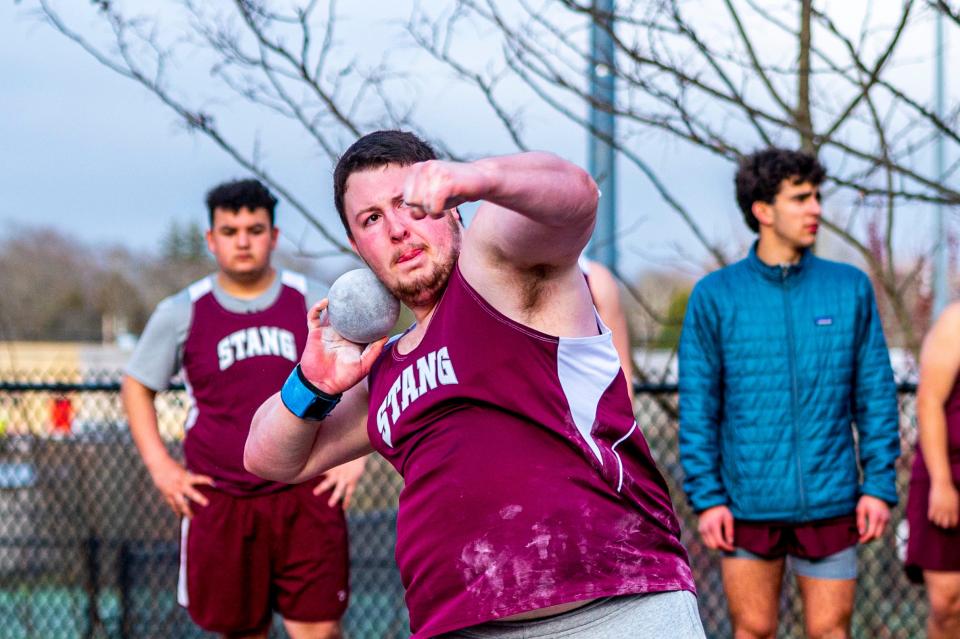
<point>412,257</point>
<point>422,285</point>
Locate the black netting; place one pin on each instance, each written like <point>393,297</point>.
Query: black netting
<point>88,549</point>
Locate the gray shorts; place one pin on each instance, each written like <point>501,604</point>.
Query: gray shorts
<point>839,565</point>
<point>653,616</point>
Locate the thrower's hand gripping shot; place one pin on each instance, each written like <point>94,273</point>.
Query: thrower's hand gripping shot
<point>330,361</point>
<point>286,447</point>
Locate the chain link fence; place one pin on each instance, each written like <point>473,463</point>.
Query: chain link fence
<point>88,548</point>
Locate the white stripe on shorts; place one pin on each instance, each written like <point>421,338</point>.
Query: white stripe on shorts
<point>182,597</point>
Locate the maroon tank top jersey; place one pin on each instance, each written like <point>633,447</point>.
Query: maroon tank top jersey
<point>930,547</point>
<point>526,480</point>
<point>232,362</point>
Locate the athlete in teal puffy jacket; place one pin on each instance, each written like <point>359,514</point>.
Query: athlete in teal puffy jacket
<point>784,373</point>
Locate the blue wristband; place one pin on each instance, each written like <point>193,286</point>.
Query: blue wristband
<point>305,400</point>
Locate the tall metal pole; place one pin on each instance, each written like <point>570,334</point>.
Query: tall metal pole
<point>602,162</point>
<point>941,269</point>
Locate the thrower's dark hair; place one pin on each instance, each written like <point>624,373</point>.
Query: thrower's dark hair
<point>374,150</point>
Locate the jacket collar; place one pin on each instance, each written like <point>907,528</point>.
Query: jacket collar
<point>778,273</point>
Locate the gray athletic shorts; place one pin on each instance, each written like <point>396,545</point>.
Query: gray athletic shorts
<point>654,616</point>
<point>839,565</point>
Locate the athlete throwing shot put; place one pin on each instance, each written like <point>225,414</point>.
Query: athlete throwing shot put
<point>531,505</point>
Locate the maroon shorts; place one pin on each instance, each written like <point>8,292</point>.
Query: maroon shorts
<point>243,557</point>
<point>807,540</point>
<point>929,547</point>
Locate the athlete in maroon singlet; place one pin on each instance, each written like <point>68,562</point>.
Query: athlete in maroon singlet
<point>933,507</point>
<point>248,546</point>
<point>529,490</point>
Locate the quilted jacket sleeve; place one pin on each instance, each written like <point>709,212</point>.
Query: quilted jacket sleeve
<point>875,403</point>
<point>701,371</point>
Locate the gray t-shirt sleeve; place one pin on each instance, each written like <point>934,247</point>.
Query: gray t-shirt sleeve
<point>159,350</point>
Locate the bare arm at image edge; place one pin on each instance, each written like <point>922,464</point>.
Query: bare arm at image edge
<point>939,366</point>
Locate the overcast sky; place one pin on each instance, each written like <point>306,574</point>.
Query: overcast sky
<point>95,155</point>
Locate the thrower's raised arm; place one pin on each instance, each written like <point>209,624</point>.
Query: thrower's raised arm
<point>537,209</point>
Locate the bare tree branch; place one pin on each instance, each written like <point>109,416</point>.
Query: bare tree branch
<point>944,7</point>
<point>268,75</point>
<point>710,84</point>
<point>716,93</point>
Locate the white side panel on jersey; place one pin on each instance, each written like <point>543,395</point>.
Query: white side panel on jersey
<point>194,409</point>
<point>294,280</point>
<point>200,288</point>
<point>586,366</point>
<point>183,597</point>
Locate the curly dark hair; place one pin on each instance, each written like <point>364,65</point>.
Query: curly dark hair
<point>238,194</point>
<point>761,174</point>
<point>375,150</point>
